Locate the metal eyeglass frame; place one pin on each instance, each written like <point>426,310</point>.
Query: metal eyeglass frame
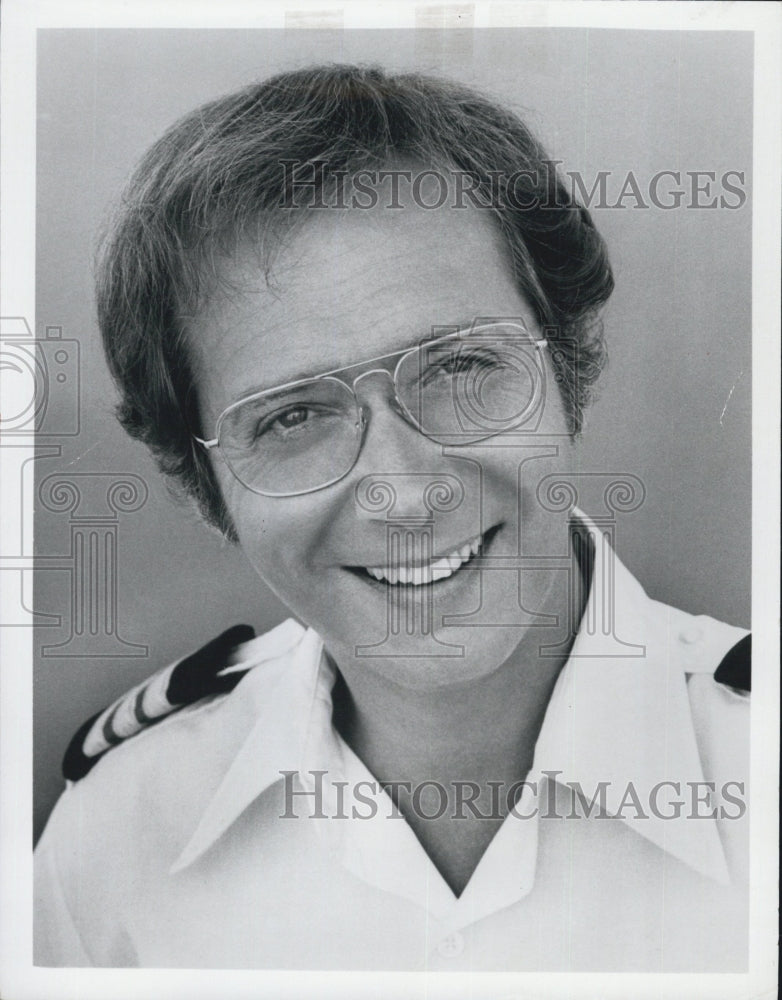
<point>362,424</point>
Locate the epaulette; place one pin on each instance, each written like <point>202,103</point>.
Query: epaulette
<point>185,682</point>
<point>735,670</point>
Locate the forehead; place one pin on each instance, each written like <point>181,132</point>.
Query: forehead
<point>348,284</point>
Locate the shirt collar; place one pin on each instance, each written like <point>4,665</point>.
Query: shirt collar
<point>619,714</point>
<point>284,703</point>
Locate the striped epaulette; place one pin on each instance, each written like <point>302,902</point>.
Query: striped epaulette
<point>208,671</point>
<point>735,670</point>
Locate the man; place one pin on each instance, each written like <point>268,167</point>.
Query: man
<point>355,315</point>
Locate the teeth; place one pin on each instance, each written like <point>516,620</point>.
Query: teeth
<point>441,568</point>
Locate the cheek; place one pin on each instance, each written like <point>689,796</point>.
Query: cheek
<point>265,537</point>
<point>253,518</point>
<point>278,539</point>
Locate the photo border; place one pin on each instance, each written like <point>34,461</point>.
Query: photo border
<point>18,978</point>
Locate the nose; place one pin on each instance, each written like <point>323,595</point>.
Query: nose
<point>398,466</point>
<point>389,431</point>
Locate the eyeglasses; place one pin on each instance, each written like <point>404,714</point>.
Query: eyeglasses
<point>457,389</point>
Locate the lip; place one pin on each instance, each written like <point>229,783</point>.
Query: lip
<point>487,538</point>
<point>444,553</point>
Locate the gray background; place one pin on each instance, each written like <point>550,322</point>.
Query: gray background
<point>678,325</point>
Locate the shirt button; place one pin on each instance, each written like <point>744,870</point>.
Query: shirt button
<point>691,634</point>
<point>451,946</point>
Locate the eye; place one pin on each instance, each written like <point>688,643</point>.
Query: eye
<point>292,417</point>
<point>462,362</point>
<point>299,421</point>
<point>284,421</point>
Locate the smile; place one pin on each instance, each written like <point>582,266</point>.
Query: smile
<point>430,572</point>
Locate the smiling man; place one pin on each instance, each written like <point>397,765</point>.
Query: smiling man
<point>355,316</point>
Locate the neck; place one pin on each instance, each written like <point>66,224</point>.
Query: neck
<point>479,730</point>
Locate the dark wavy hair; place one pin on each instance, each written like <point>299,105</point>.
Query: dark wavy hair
<point>215,177</point>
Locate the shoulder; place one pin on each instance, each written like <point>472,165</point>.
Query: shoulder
<point>147,766</point>
<point>139,790</point>
<point>165,702</point>
<point>720,710</point>
<point>701,644</point>
<point>720,707</point>
<point>716,660</point>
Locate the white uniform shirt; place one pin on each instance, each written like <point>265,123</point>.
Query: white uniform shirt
<point>176,849</point>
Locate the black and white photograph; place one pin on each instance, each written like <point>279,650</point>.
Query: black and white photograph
<point>390,447</point>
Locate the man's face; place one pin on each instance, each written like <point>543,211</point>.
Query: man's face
<point>349,286</point>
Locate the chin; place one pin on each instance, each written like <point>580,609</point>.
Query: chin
<point>463,658</point>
